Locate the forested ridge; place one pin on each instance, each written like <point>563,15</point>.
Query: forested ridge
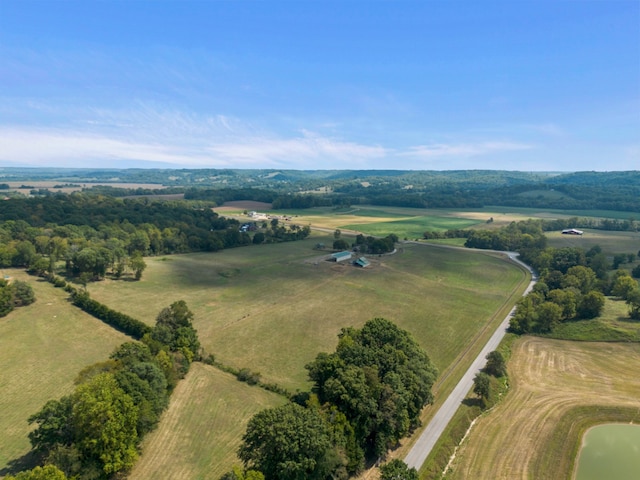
<point>422,189</point>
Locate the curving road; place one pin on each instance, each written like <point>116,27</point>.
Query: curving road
<point>421,449</point>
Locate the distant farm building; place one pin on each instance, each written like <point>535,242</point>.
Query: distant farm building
<point>341,256</point>
<point>572,231</point>
<point>362,262</point>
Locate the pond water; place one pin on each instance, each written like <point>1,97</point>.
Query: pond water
<point>610,452</point>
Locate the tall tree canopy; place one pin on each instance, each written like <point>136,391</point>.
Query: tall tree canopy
<point>380,378</point>
<point>288,443</point>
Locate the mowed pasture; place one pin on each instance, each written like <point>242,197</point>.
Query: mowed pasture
<point>558,389</point>
<point>611,242</point>
<point>42,348</point>
<point>272,308</point>
<point>199,433</point>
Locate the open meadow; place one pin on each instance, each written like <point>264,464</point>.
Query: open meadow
<point>42,348</point>
<point>611,242</point>
<point>558,389</point>
<point>206,419</point>
<point>272,308</point>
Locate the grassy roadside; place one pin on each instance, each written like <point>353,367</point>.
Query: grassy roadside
<point>470,409</point>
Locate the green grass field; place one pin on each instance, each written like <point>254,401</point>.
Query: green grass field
<point>202,429</point>
<point>610,242</point>
<point>411,227</point>
<point>42,349</point>
<point>272,308</point>
<point>614,325</point>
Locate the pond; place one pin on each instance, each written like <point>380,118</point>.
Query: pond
<point>610,452</point>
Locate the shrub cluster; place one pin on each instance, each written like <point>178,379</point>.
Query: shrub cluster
<point>14,294</point>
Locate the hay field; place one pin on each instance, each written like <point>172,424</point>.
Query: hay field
<point>610,242</point>
<point>42,348</point>
<point>200,432</point>
<point>272,308</point>
<point>558,389</point>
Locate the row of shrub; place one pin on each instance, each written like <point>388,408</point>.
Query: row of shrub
<point>118,320</point>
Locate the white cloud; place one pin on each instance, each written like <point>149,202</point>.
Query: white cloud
<point>463,149</point>
<point>46,147</point>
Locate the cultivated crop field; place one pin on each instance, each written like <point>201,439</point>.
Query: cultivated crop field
<point>42,348</point>
<point>558,389</point>
<point>411,223</point>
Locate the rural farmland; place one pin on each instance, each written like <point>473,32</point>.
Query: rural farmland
<point>265,309</point>
<point>43,347</point>
<point>558,389</point>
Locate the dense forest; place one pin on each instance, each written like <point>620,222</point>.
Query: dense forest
<point>96,235</point>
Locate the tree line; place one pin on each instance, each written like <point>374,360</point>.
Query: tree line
<point>97,235</point>
<point>572,282</point>
<point>94,433</point>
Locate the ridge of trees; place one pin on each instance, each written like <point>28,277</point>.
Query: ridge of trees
<point>98,235</point>
<point>618,191</point>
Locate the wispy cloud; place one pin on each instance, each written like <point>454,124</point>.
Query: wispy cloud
<point>463,149</point>
<point>81,149</point>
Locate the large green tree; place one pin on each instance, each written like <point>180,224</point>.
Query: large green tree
<point>175,330</point>
<point>104,421</point>
<point>380,378</point>
<point>496,365</point>
<point>288,443</point>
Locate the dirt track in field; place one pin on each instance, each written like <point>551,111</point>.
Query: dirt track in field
<point>549,378</point>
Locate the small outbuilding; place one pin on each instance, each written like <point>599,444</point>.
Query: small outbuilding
<point>361,262</point>
<point>572,231</point>
<point>341,256</point>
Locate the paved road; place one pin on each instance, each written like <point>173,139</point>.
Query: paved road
<point>421,449</point>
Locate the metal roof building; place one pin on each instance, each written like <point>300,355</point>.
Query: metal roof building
<point>362,262</point>
<point>341,256</point>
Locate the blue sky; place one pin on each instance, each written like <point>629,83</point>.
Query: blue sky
<point>423,85</point>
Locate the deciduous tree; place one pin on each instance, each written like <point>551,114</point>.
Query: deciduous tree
<point>287,443</point>
<point>397,470</point>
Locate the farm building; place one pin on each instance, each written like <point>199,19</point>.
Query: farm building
<point>361,262</point>
<point>572,231</point>
<point>341,256</point>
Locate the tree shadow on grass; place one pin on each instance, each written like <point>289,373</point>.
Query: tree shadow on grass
<point>474,402</point>
<point>26,462</point>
